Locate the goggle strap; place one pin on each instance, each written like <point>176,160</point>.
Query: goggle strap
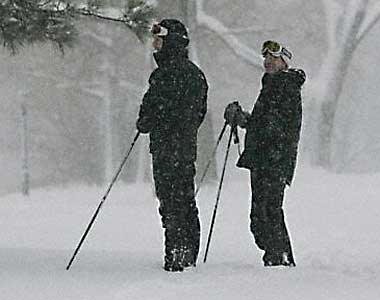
<point>287,53</point>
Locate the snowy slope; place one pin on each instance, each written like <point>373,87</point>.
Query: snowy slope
<point>334,221</point>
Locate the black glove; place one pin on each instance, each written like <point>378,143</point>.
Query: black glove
<point>232,112</point>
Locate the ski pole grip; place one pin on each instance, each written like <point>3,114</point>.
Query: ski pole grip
<point>236,135</point>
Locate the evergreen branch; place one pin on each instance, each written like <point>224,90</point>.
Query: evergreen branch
<point>137,16</point>
<point>24,22</point>
<point>135,13</point>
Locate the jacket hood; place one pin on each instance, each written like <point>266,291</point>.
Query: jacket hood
<point>296,76</point>
<point>299,76</point>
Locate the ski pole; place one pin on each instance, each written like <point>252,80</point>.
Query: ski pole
<point>218,194</point>
<point>211,157</point>
<point>102,201</point>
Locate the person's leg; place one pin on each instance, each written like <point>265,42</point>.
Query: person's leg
<point>279,250</point>
<point>188,211</point>
<point>163,180</point>
<point>174,183</point>
<point>267,219</point>
<point>257,215</point>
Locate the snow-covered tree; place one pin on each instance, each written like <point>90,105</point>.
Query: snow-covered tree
<point>206,136</point>
<point>82,106</point>
<point>62,23</point>
<point>347,24</point>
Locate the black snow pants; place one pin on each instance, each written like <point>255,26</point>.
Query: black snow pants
<point>267,216</point>
<point>174,184</point>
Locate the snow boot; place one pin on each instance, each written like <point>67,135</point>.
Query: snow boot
<point>173,262</point>
<point>189,259</point>
<point>273,260</point>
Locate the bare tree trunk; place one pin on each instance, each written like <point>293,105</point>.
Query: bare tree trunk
<point>206,138</point>
<point>329,137</point>
<point>144,170</point>
<point>107,113</point>
<point>25,151</point>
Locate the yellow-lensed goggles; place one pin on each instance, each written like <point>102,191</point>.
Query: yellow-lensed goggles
<point>275,49</point>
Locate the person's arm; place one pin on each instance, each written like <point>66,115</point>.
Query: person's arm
<point>200,99</point>
<point>195,109</point>
<point>286,133</point>
<point>243,118</point>
<point>147,118</point>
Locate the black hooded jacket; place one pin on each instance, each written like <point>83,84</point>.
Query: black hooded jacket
<point>174,106</point>
<point>273,128</point>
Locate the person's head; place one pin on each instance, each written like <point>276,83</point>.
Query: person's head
<point>169,34</point>
<point>276,57</point>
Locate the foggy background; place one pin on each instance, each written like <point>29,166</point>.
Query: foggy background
<point>67,122</point>
<point>81,107</point>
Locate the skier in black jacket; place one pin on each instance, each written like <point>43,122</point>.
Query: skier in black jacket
<point>270,152</point>
<point>171,112</point>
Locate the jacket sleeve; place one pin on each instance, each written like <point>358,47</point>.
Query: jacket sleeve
<point>196,96</point>
<point>201,100</point>
<point>147,114</point>
<point>291,138</point>
<point>286,148</point>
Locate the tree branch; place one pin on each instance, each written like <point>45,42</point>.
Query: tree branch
<point>28,22</point>
<point>241,50</point>
<point>353,24</point>
<point>372,22</point>
<point>365,148</point>
<point>86,12</point>
<point>256,29</point>
<point>332,20</point>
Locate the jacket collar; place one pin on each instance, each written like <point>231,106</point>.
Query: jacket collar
<point>170,57</point>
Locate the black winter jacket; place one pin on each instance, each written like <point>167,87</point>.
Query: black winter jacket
<point>273,128</point>
<point>174,106</point>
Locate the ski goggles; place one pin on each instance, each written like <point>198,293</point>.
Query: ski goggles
<point>275,49</point>
<point>159,30</point>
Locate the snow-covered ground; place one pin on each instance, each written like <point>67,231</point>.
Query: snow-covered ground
<point>334,222</point>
